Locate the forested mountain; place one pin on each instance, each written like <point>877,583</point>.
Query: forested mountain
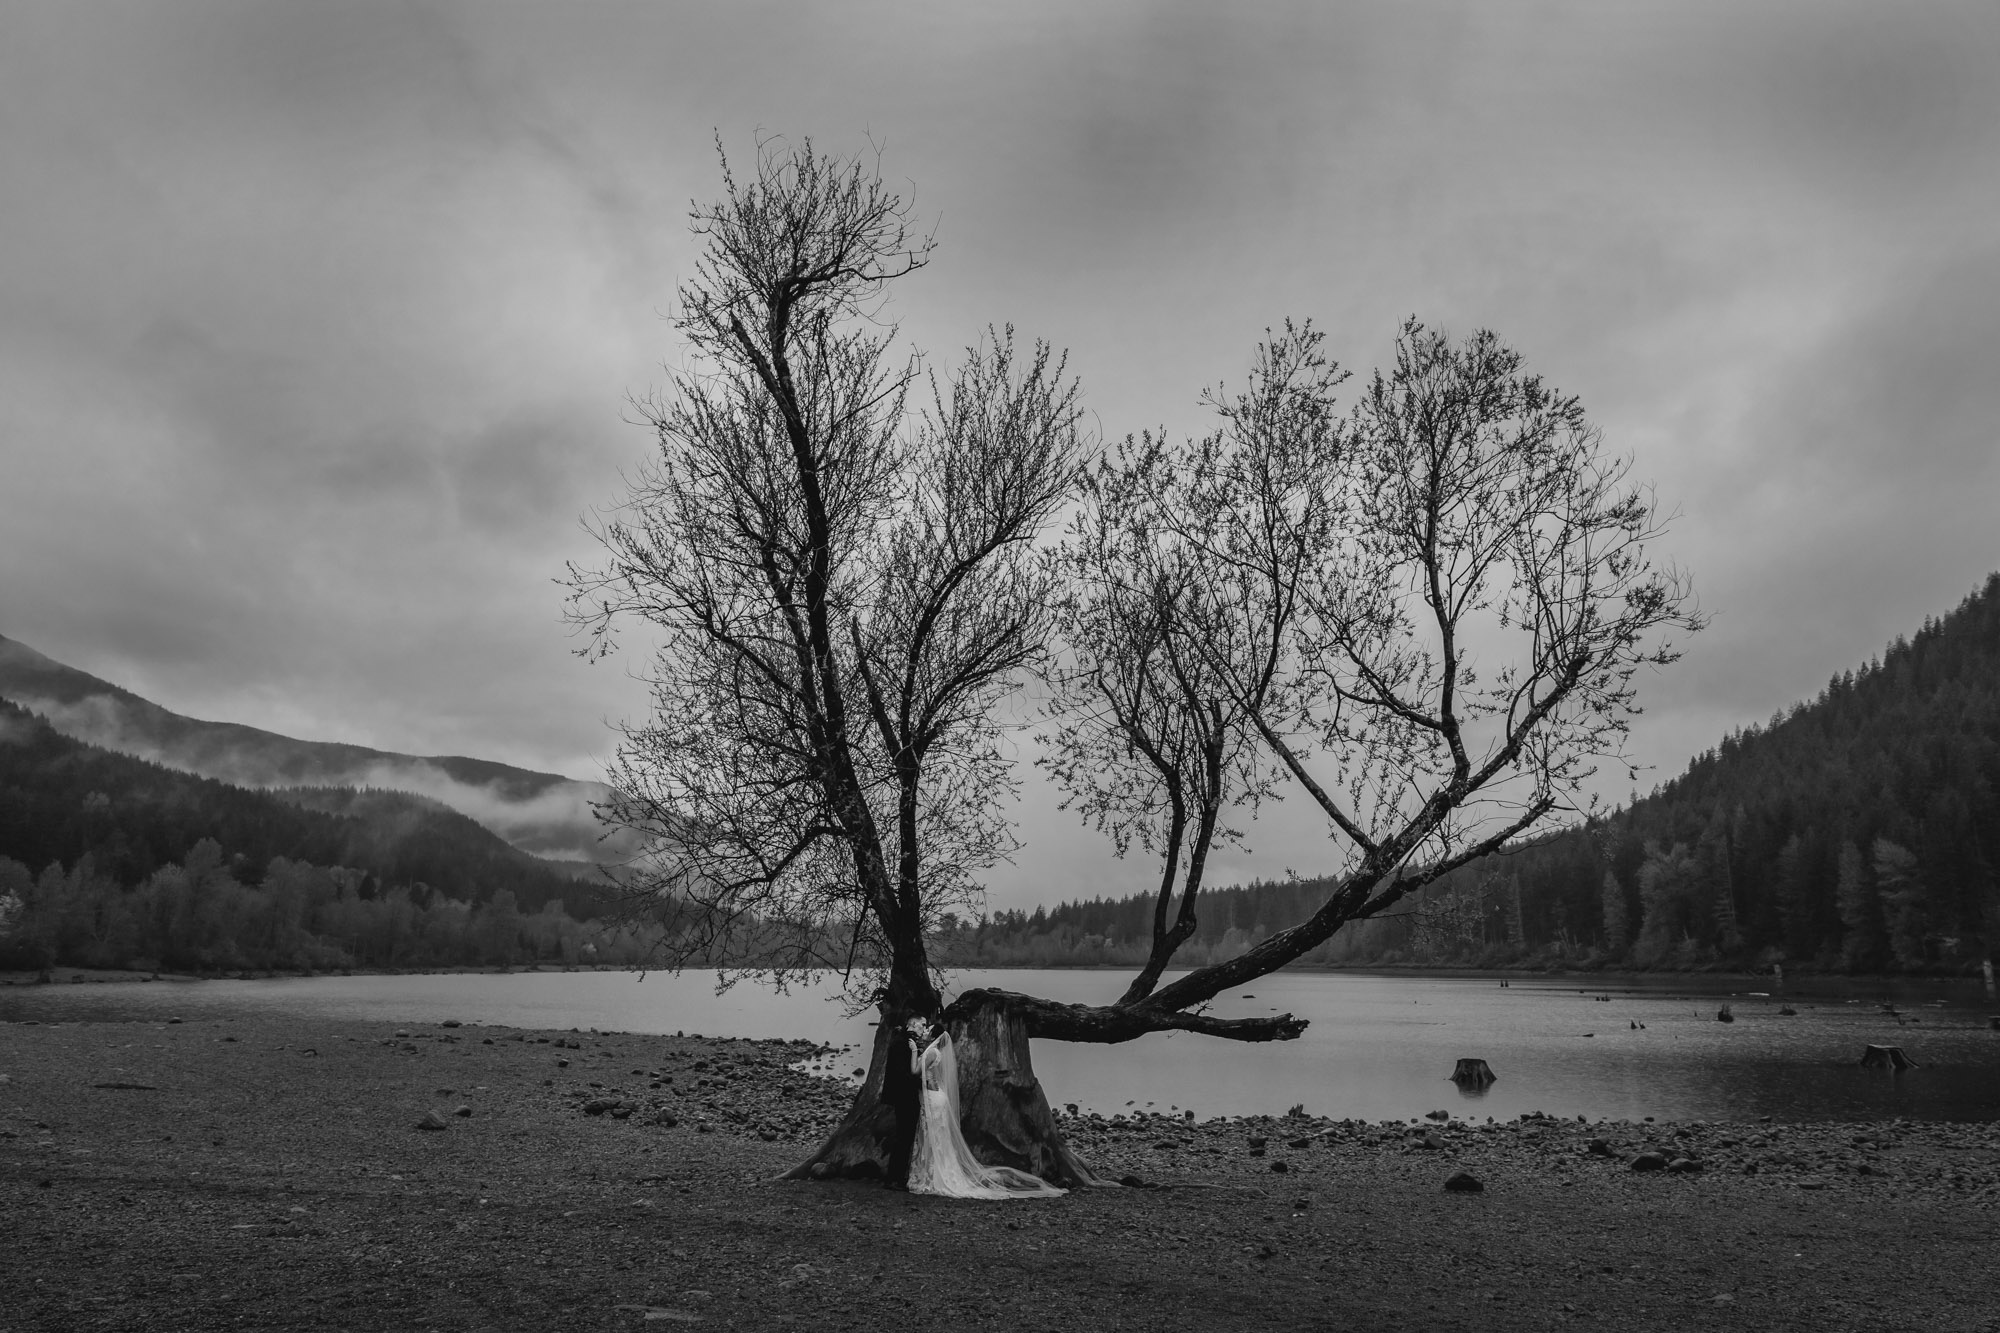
<point>1859,831</point>
<point>108,859</point>
<point>542,813</point>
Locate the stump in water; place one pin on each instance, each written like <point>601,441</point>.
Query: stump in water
<point>1723,1015</point>
<point>1002,1111</point>
<point>1471,1074</point>
<point>1886,1057</point>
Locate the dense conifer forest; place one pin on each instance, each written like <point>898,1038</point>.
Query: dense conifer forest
<point>111,861</point>
<point>1857,832</point>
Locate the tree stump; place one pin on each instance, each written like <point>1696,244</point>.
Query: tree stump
<point>1473,1073</point>
<point>1002,1110</point>
<point>1003,1113</point>
<point>1886,1057</point>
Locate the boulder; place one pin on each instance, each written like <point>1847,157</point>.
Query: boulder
<point>1683,1166</point>
<point>432,1120</point>
<point>1649,1161</point>
<point>1463,1182</point>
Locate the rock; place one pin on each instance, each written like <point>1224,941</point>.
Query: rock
<point>463,1112</point>
<point>431,1120</point>
<point>1437,1115</point>
<point>1683,1166</point>
<point>1600,1148</point>
<point>1649,1161</point>
<point>1463,1182</point>
<point>1431,1140</point>
<point>665,1118</point>
<point>621,1112</point>
<point>1280,1167</point>
<point>451,1023</point>
<point>598,1105</point>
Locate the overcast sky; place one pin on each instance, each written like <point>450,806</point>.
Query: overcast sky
<point>318,322</point>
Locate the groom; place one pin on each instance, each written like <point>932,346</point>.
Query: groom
<point>901,1091</point>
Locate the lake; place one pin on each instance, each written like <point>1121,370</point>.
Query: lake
<point>1381,1046</point>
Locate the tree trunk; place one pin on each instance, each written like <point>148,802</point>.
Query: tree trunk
<point>864,1144</point>
<point>1004,1115</point>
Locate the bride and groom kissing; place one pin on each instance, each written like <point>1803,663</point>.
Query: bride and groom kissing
<point>928,1152</point>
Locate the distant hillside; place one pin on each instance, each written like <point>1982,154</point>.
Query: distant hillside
<point>1858,832</point>
<point>542,813</point>
<point>62,800</point>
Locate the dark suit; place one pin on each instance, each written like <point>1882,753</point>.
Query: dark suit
<point>902,1092</point>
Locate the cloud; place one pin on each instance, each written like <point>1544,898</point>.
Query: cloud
<point>317,322</point>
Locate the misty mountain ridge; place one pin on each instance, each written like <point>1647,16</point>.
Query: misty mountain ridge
<point>544,814</point>
<point>64,801</point>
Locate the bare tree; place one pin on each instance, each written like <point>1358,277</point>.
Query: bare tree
<point>841,587</point>
<point>1430,609</point>
<point>844,589</point>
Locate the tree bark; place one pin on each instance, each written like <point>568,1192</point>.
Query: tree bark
<point>1002,1110</point>
<point>865,1145</point>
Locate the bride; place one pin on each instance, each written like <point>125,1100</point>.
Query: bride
<point>940,1161</point>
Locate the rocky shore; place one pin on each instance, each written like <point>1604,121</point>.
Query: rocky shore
<point>261,1172</point>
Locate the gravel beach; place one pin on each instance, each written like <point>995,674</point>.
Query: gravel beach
<point>265,1172</point>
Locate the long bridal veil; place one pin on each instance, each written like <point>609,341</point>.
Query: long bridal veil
<point>940,1162</point>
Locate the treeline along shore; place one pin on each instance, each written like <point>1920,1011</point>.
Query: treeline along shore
<point>1856,833</point>
<point>271,1171</point>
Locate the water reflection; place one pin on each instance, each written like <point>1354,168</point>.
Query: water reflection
<point>1379,1047</point>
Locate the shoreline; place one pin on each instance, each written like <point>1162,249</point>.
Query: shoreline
<point>269,1169</point>
<point>1971,981</point>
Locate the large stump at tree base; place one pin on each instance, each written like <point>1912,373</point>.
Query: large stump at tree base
<point>1002,1111</point>
<point>1004,1116</point>
<point>1886,1057</point>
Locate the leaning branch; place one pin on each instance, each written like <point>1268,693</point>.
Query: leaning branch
<point>1111,1024</point>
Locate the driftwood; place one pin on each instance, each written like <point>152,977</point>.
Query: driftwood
<point>1886,1057</point>
<point>1472,1073</point>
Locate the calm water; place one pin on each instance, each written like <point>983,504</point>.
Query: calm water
<point>1379,1046</point>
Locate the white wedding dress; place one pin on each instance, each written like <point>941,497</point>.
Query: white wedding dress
<point>940,1162</point>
